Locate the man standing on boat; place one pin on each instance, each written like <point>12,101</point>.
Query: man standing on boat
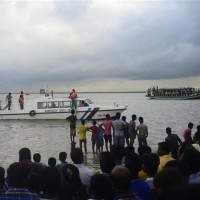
<point>73,97</point>
<point>9,100</point>
<point>21,100</point>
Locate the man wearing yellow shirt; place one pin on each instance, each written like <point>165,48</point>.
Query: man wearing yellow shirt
<point>82,134</point>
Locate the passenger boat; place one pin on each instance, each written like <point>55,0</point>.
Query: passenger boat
<point>188,93</point>
<point>49,107</point>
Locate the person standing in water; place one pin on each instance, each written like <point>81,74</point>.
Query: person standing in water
<point>72,119</point>
<point>142,132</point>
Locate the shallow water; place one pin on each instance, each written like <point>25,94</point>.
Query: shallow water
<point>50,137</point>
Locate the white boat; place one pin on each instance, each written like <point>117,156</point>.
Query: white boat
<point>50,107</point>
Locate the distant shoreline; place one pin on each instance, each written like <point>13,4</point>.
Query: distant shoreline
<point>78,92</point>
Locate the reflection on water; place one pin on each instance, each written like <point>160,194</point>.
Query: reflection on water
<point>50,137</point>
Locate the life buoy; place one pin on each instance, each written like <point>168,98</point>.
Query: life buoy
<point>32,113</point>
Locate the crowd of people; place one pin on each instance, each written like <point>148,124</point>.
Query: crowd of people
<point>125,173</point>
<point>116,131</point>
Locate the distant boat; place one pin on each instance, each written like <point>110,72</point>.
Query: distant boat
<point>49,107</point>
<point>188,93</point>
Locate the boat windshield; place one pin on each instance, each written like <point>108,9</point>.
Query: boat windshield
<point>82,103</point>
<point>89,101</point>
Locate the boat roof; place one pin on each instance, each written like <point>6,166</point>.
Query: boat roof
<point>57,98</point>
<point>176,88</point>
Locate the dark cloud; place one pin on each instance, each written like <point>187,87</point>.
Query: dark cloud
<point>79,41</point>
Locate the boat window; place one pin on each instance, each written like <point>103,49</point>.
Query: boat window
<point>82,103</point>
<point>65,104</point>
<point>42,105</point>
<point>53,104</point>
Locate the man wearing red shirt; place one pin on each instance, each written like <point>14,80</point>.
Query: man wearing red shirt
<point>94,129</point>
<point>187,133</point>
<point>107,123</point>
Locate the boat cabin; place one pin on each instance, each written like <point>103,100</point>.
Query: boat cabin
<point>61,103</point>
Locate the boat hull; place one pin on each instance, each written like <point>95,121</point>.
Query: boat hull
<point>89,114</point>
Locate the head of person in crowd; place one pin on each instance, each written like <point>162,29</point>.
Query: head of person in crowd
<point>71,185</point>
<point>128,149</point>
<point>37,157</point>
<point>77,156</point>
<point>141,120</point>
<point>168,130</point>
<point>33,184</point>
<point>134,117</point>
<point>181,166</point>
<point>82,121</point>
<point>52,162</point>
<point>143,149</point>
<point>198,128</point>
<point>101,188</point>
<point>25,155</point>
<point>107,162</point>
<point>118,152</point>
<point>163,149</point>
<point>167,179</point>
<point>196,137</point>
<point>192,157</point>
<point>62,157</point>
<point>2,174</point>
<point>94,121</point>
<point>4,184</point>
<point>124,118</point>
<point>107,116</point>
<point>73,111</point>
<point>182,148</point>
<point>121,178</point>
<point>17,174</point>
<point>50,180</point>
<point>71,173</point>
<point>150,163</point>
<point>190,125</point>
<point>118,115</point>
<point>134,163</point>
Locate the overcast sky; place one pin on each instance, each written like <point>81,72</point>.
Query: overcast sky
<point>97,45</point>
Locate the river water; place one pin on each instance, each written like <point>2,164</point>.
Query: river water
<point>50,137</point>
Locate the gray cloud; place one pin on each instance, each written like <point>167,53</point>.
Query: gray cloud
<point>57,41</point>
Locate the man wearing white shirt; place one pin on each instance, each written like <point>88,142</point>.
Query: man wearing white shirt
<point>85,172</point>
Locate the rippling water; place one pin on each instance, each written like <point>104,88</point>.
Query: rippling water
<point>50,137</point>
